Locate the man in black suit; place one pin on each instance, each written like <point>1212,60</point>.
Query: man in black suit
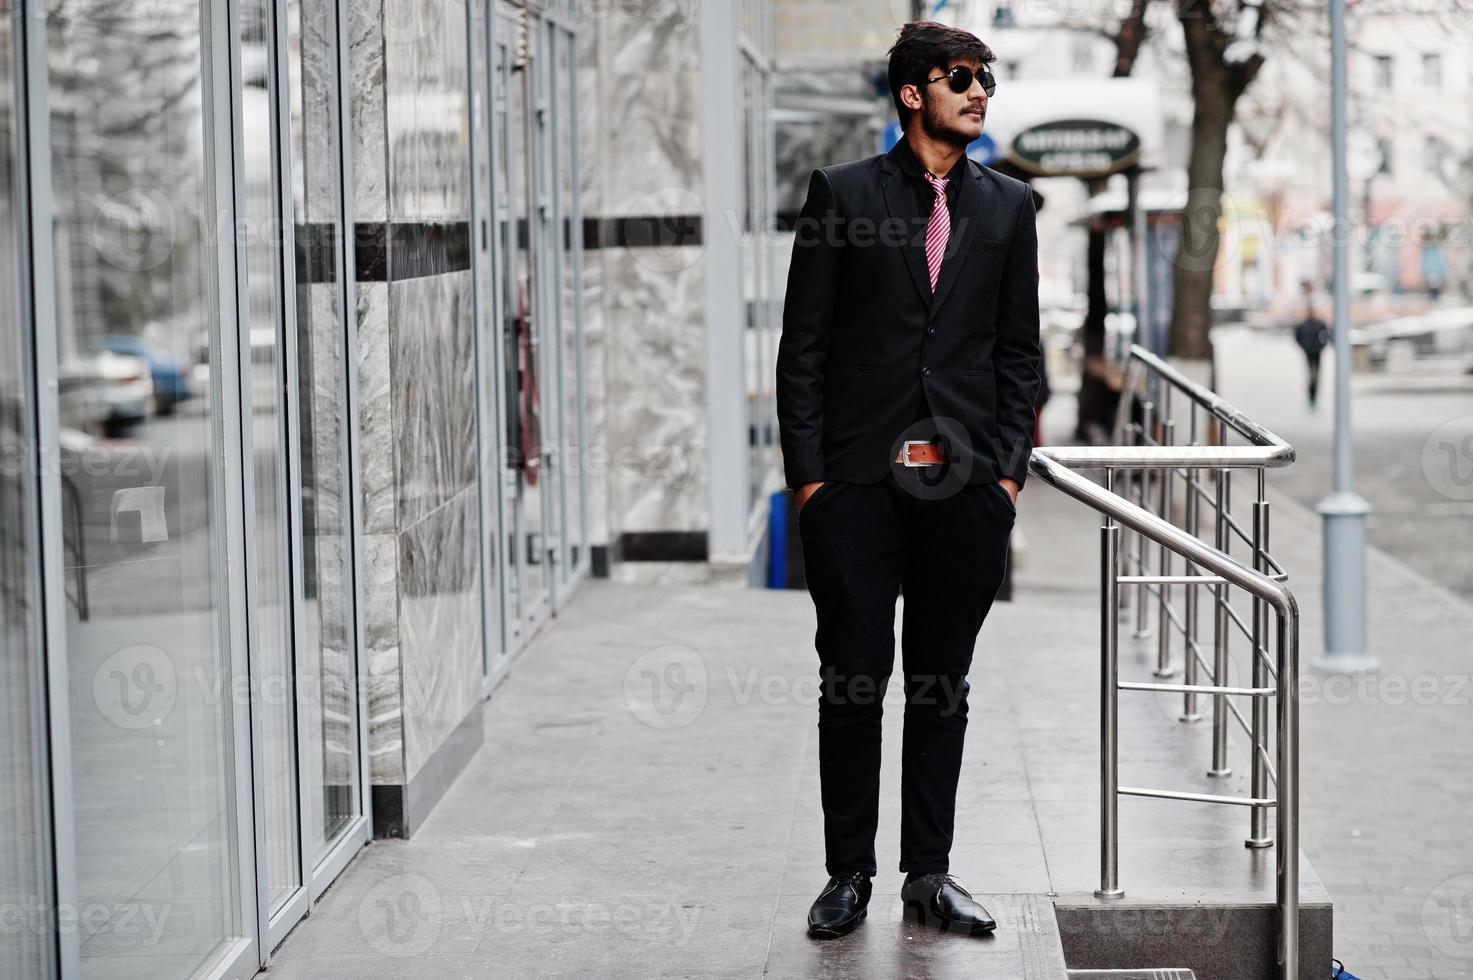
<point>906,377</point>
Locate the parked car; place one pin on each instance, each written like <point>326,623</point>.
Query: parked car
<point>170,375</point>
<point>103,391</point>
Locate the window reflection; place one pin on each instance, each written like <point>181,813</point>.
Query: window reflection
<point>271,604</point>
<point>325,620</point>
<point>138,336</point>
<point>23,893</point>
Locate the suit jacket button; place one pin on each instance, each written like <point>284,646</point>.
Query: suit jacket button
<point>926,371</point>
<point>930,331</point>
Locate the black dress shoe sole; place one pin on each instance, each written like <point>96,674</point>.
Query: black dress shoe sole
<point>834,932</point>
<point>916,909</point>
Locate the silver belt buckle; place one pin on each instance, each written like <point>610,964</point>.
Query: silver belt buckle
<point>905,451</point>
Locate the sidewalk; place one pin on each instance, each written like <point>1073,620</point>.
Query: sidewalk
<point>646,801</point>
<point>646,804</point>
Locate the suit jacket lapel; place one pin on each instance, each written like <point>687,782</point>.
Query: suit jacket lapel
<point>963,229</point>
<point>901,203</point>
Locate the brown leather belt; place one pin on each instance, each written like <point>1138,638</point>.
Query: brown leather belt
<point>918,452</point>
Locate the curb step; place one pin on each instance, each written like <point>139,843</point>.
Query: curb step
<point>1159,973</point>
<point>1040,947</point>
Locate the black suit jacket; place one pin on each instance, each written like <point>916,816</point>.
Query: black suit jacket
<point>864,339</point>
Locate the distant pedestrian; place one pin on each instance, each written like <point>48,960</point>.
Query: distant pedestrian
<point>1312,336</point>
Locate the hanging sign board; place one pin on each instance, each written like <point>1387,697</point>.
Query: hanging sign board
<point>1075,148</point>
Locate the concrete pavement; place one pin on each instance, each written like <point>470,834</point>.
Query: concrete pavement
<point>646,801</point>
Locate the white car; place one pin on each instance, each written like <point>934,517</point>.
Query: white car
<point>103,391</point>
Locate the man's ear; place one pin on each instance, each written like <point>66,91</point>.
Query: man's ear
<point>910,95</point>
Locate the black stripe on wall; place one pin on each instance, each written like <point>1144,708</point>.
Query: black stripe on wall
<point>385,251</point>
<point>643,231</point>
<point>394,250</point>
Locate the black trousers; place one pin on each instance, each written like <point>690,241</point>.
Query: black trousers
<point>863,543</point>
<point>1314,374</point>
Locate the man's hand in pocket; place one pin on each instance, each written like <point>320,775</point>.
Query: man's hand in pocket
<point>807,490</point>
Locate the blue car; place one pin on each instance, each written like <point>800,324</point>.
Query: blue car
<point>170,377</point>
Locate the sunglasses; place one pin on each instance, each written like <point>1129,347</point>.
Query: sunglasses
<point>961,78</point>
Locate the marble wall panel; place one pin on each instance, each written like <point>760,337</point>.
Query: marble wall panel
<point>368,109</point>
<point>381,639</point>
<point>376,447</point>
<point>655,426</point>
<point>440,624</point>
<point>318,41</point>
<point>333,641</point>
<point>593,136</point>
<point>648,66</point>
<point>426,75</point>
<point>432,362</point>
<point>322,413</point>
<point>643,307</point>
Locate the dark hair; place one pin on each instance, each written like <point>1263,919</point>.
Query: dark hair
<point>923,45</point>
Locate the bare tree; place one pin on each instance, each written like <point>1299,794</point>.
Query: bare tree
<point>1224,54</point>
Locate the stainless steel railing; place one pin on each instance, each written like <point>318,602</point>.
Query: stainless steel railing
<point>1197,531</point>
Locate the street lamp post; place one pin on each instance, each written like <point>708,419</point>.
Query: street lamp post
<point>1344,510</point>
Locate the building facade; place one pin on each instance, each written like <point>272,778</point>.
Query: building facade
<point>341,340</point>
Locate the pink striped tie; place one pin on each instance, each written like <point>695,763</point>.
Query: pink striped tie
<point>938,229</point>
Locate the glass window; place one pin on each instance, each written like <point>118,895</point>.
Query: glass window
<point>1434,150</point>
<point>139,332</point>
<point>25,943</point>
<point>485,81</point>
<point>272,595</point>
<point>1432,70</point>
<point>571,442</point>
<point>1384,77</point>
<point>516,152</point>
<point>325,627</point>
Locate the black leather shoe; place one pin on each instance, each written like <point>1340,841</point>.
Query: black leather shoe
<point>840,906</point>
<point>938,900</point>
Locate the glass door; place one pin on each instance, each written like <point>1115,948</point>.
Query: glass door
<point>483,82</point>
<point>514,199</point>
<point>26,946</point>
<point>156,829</point>
<point>326,626</point>
<point>265,387</point>
<point>304,638</point>
<point>565,355</point>
<point>548,266</point>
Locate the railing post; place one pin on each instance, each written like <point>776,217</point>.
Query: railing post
<point>1287,798</point>
<point>1192,524</point>
<point>1124,414</point>
<point>1163,621</point>
<point>1109,704</point>
<point>1189,710</point>
<point>1258,816</point>
<point>1220,767</point>
<point>1142,624</point>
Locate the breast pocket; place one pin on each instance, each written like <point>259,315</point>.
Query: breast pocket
<point>990,245</point>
